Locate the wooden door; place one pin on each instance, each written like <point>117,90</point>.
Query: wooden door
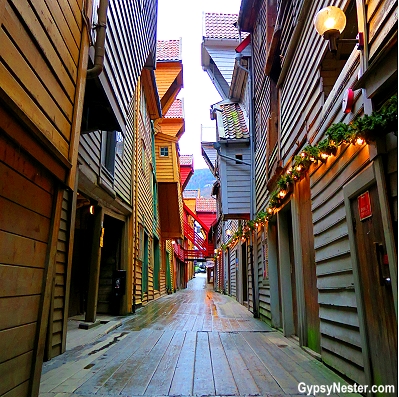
<point>376,292</point>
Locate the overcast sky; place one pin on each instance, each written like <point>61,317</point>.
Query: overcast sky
<point>184,18</point>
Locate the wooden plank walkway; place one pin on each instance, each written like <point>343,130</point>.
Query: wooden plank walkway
<point>192,343</point>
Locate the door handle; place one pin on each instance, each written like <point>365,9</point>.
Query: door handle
<point>385,281</point>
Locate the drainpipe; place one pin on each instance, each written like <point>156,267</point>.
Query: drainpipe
<point>252,190</point>
<point>99,46</point>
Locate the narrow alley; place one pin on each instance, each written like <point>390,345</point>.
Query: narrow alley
<point>177,345</point>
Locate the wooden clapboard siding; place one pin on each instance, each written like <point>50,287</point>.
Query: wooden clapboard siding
<point>26,201</point>
<point>130,41</point>
<point>382,16</point>
<point>233,278</point>
<point>236,181</point>
<point>90,153</point>
<point>166,73</point>
<point>57,306</point>
<point>165,165</point>
<point>261,123</point>
<point>339,324</point>
<point>123,169</point>
<point>223,57</point>
<point>40,53</point>
<point>288,12</point>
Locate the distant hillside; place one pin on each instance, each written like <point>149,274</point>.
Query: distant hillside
<point>203,180</point>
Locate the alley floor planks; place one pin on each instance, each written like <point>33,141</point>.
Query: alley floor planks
<point>192,343</point>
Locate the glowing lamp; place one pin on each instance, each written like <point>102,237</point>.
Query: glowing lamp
<point>330,19</point>
<point>324,156</point>
<point>360,141</point>
<point>299,168</point>
<point>91,209</point>
<point>269,210</point>
<point>330,22</point>
<point>282,193</point>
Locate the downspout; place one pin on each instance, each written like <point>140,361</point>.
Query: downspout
<point>99,46</point>
<point>252,190</point>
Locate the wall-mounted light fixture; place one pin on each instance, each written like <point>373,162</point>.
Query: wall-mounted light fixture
<point>330,22</point>
<point>91,210</point>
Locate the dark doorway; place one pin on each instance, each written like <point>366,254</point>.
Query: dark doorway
<point>110,261</point>
<point>376,292</point>
<point>84,228</point>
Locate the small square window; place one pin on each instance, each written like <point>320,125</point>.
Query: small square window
<point>164,151</point>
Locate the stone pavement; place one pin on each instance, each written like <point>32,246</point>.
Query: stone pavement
<point>192,343</point>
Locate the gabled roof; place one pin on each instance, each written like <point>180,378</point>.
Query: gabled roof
<point>220,26</point>
<point>205,205</point>
<point>186,159</point>
<point>168,50</point>
<point>176,110</point>
<point>234,125</point>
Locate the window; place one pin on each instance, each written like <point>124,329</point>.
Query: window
<point>108,146</point>
<point>119,144</point>
<point>238,158</point>
<point>164,151</point>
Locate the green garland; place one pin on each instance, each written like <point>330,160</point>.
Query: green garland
<point>361,130</point>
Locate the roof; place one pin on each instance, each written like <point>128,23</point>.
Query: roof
<point>234,123</point>
<point>190,193</point>
<point>221,26</point>
<point>176,110</point>
<point>205,204</point>
<point>168,50</point>
<point>186,159</point>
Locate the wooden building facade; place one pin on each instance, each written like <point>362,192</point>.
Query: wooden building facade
<point>312,269</point>
<point>44,54</point>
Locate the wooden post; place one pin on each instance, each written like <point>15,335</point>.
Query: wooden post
<point>285,274</point>
<point>94,267</point>
<point>46,295</point>
<point>273,274</point>
<point>68,275</point>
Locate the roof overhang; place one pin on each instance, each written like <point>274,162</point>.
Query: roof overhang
<point>151,93</point>
<point>248,13</point>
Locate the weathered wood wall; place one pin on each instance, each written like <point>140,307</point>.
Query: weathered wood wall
<point>26,199</point>
<point>236,180</point>
<point>40,55</point>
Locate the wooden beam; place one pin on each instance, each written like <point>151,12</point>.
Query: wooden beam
<point>46,295</point>
<point>94,275</point>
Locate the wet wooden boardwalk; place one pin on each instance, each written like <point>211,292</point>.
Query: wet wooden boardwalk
<point>192,343</point>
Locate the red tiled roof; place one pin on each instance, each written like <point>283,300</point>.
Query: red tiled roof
<point>221,26</point>
<point>168,50</point>
<point>186,159</point>
<point>234,122</point>
<point>176,110</point>
<point>205,205</point>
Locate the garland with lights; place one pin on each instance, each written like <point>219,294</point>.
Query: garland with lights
<point>365,129</point>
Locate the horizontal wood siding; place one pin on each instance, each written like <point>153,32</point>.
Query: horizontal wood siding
<point>90,154</point>
<point>233,274</point>
<point>131,38</point>
<point>38,68</point>
<point>26,202</point>
<point>382,16</point>
<point>339,324</point>
<point>224,59</point>
<point>238,181</point>
<point>55,332</point>
<point>165,170</point>
<point>166,73</point>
